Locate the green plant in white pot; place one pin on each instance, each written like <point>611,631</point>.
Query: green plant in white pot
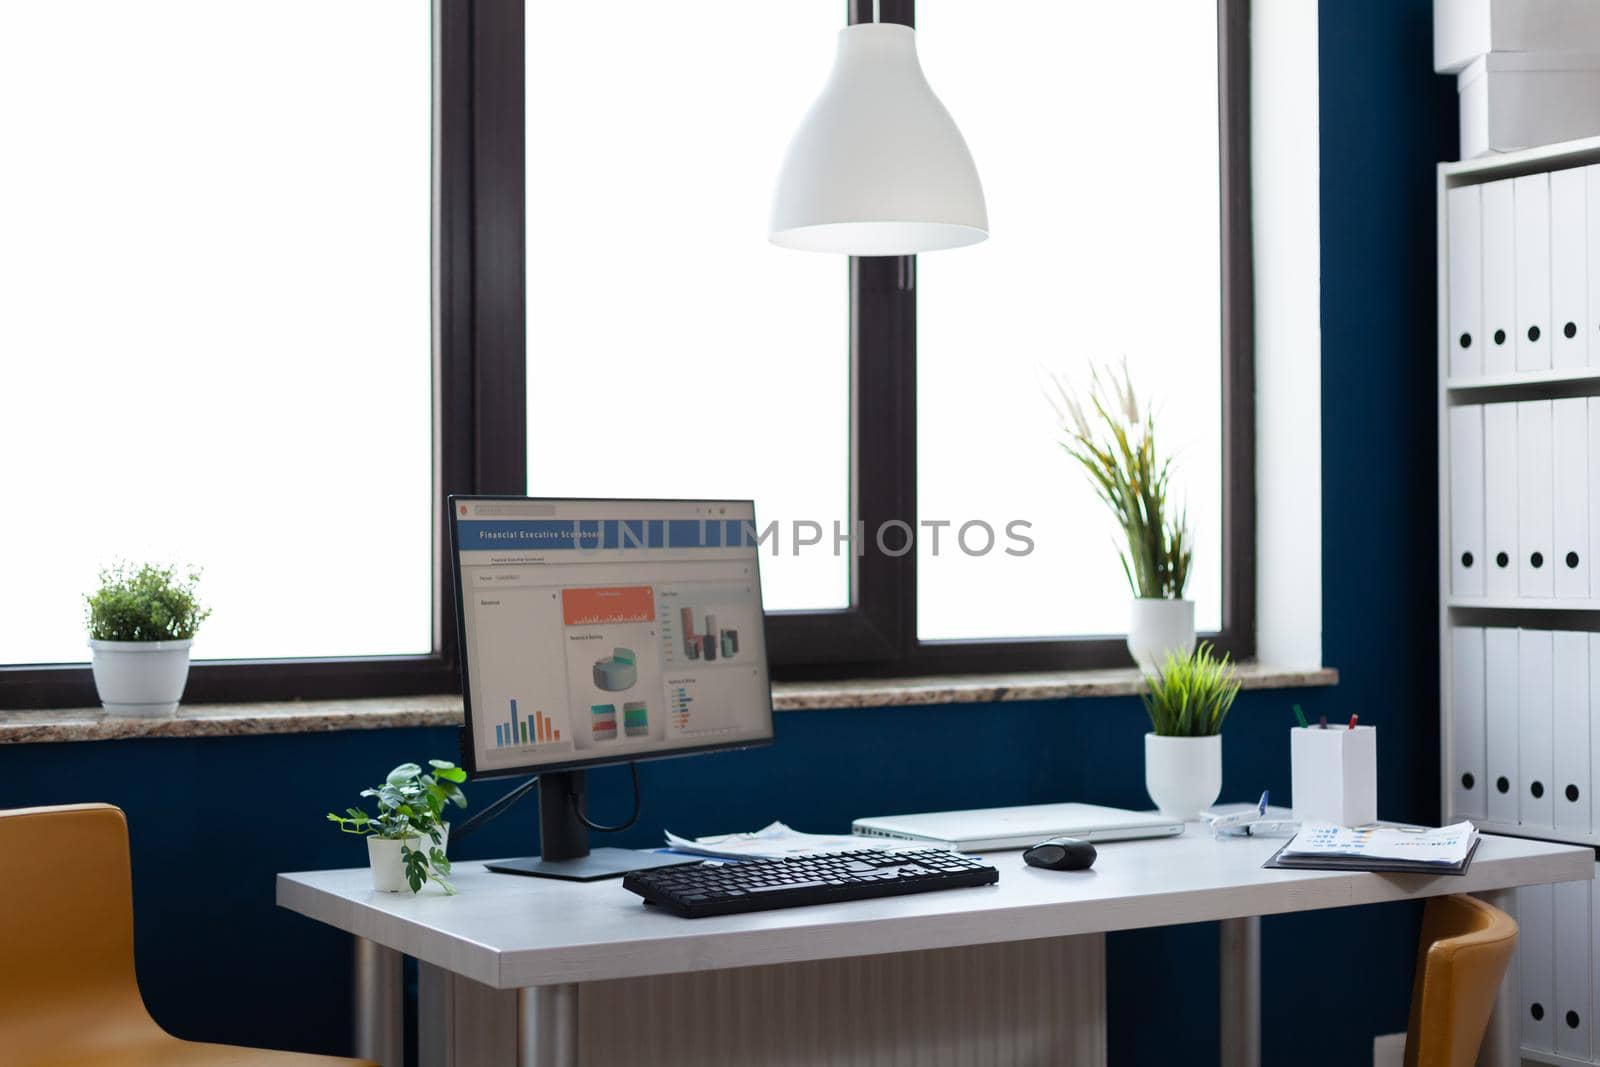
<point>1187,701</point>
<point>406,840</point>
<point>1115,443</point>
<point>142,621</point>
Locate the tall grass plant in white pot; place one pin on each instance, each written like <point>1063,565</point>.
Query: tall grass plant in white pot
<point>1113,438</point>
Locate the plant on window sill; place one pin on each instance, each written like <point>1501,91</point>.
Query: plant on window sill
<point>1114,442</point>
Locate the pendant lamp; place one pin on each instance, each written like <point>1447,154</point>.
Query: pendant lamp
<point>878,167</point>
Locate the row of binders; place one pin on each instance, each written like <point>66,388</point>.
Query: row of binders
<point>1521,293</point>
<point>1558,965</point>
<point>1525,499</point>
<point>1524,753</point>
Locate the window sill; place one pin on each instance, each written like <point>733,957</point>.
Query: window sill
<point>321,716</point>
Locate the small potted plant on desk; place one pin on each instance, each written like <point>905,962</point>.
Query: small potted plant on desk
<point>142,623</point>
<point>1114,442</point>
<point>1187,702</point>
<point>410,809</point>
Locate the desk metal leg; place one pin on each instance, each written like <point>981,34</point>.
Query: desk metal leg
<point>379,1004</point>
<point>1241,991</point>
<point>1502,1039</point>
<point>547,1026</point>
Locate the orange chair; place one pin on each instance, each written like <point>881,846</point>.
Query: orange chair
<point>68,995</point>
<point>1462,955</point>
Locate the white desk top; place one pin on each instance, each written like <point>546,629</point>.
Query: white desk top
<point>509,931</point>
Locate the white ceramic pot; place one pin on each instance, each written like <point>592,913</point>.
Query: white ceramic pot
<point>140,677</point>
<point>1183,775</point>
<point>389,867</point>
<point>1158,626</point>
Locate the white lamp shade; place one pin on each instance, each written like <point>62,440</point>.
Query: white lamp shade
<point>878,167</point>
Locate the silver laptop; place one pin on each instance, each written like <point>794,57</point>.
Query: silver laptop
<point>997,828</point>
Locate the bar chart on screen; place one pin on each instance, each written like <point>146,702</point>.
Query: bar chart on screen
<point>525,731</point>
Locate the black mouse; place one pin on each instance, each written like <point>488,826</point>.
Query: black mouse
<point>1061,854</point>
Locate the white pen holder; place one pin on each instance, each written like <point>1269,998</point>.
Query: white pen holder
<point>1334,774</point>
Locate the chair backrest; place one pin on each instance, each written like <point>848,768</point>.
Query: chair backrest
<point>66,921</point>
<point>1462,955</point>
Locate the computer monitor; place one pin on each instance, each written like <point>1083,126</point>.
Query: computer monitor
<point>604,631</point>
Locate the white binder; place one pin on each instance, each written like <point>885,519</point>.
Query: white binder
<point>1594,953</point>
<point>1531,195</point>
<point>1464,207</point>
<point>1500,499</point>
<point>1535,500</point>
<point>1501,717</point>
<point>1467,560</point>
<point>1535,731</point>
<point>1499,278</point>
<point>1569,270</point>
<point>1593,490</point>
<point>1570,467</point>
<point>1573,994</point>
<point>1594,730</point>
<point>1471,783</point>
<point>1536,950</point>
<point>1591,176</point>
<point>1570,704</point>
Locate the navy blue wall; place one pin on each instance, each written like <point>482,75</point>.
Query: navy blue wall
<point>212,820</point>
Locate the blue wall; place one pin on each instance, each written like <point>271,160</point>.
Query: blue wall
<point>212,820</point>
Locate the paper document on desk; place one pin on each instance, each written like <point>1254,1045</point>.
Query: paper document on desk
<point>1447,849</point>
<point>772,842</point>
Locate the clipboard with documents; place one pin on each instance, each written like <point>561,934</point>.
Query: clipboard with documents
<point>1402,849</point>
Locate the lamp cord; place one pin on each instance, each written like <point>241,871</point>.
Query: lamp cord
<point>577,809</point>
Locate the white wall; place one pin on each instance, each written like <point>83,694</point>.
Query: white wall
<point>1288,363</point>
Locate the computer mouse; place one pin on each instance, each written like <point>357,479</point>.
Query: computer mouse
<point>1061,854</point>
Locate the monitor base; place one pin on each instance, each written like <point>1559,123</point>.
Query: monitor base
<point>598,864</point>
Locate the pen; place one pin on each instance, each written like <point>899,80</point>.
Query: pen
<point>1298,714</point>
<point>1353,719</point>
<point>1322,722</point>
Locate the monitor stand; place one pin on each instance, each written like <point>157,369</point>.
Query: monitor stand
<point>565,840</point>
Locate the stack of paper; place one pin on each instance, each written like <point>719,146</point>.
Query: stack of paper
<point>772,842</point>
<point>1324,846</point>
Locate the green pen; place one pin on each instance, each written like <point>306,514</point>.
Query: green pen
<point>1298,714</point>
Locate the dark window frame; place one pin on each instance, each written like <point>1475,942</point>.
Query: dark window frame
<point>480,416</point>
<point>884,370</point>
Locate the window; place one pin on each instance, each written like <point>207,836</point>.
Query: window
<point>215,305</point>
<point>673,352</point>
<point>1103,182</point>
<point>278,277</point>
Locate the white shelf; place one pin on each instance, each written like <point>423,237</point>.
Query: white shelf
<point>1556,1059</point>
<point>1540,377</point>
<point>1522,603</point>
<point>1489,826</point>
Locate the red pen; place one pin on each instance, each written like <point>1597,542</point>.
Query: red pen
<point>1353,719</point>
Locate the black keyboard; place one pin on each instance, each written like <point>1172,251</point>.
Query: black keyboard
<point>696,890</point>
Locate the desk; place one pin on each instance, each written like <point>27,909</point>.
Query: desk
<point>545,939</point>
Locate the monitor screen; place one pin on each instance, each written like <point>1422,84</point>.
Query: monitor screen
<point>600,631</point>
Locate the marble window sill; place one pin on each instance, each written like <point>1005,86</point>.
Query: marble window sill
<point>318,716</point>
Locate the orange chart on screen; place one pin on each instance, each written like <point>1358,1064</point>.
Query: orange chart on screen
<point>629,603</point>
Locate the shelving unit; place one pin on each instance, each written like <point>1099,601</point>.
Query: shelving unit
<point>1562,1033</point>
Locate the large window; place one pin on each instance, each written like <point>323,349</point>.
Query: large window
<point>1103,182</point>
<point>673,352</point>
<point>277,277</point>
<point>215,307</point>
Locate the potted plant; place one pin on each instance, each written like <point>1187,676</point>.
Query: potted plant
<point>410,808</point>
<point>1187,701</point>
<point>1118,451</point>
<point>142,622</point>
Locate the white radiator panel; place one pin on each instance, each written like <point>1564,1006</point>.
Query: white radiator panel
<point>1026,1002</point>
<point>1006,1005</point>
